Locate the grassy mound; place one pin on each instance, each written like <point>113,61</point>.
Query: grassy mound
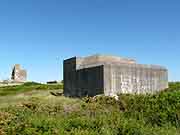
<point>132,115</point>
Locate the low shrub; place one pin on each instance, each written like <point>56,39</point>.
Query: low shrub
<point>130,115</point>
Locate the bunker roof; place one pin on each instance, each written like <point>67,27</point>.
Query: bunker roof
<point>97,60</point>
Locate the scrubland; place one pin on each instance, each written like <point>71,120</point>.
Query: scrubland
<point>32,109</point>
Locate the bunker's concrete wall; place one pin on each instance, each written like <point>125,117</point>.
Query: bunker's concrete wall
<point>82,82</point>
<point>90,81</point>
<point>70,77</point>
<point>134,78</point>
<point>111,75</point>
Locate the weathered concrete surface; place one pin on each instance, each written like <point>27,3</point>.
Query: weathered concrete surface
<point>110,75</point>
<point>77,83</point>
<point>134,78</point>
<point>18,74</point>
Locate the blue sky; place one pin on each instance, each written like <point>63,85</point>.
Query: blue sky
<point>39,34</point>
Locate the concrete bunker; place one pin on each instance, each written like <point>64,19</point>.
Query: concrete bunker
<point>111,75</point>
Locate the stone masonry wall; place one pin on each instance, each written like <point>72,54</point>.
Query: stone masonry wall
<point>18,74</point>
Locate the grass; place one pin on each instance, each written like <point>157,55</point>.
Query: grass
<point>38,112</point>
<point>29,86</point>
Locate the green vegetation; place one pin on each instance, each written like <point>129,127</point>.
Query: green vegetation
<point>29,86</point>
<point>131,115</point>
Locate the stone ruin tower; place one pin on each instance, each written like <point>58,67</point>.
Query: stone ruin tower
<point>111,75</point>
<point>18,74</point>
